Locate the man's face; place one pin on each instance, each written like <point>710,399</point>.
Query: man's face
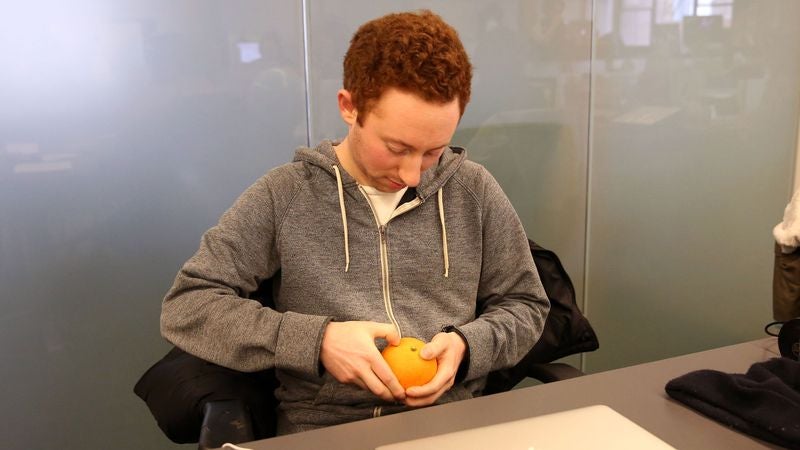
<point>402,136</point>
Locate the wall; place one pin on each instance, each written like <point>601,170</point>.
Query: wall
<point>653,151</point>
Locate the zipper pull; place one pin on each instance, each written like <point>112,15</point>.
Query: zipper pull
<point>382,230</point>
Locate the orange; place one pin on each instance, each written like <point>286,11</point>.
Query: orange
<point>404,360</point>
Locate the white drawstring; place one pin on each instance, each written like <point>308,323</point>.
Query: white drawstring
<point>444,234</point>
<point>344,218</point>
<point>230,446</point>
<point>347,239</point>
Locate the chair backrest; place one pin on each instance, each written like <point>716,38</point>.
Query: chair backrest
<point>566,331</point>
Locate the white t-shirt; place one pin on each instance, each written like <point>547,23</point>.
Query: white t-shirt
<point>384,203</point>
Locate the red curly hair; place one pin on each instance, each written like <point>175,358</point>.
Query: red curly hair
<point>416,52</point>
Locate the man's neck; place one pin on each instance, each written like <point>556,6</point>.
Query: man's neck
<point>342,151</point>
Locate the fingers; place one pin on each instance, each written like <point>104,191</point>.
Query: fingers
<point>369,382</point>
<point>388,379</point>
<point>427,394</point>
<point>448,349</point>
<point>366,377</point>
<point>386,331</point>
<point>378,378</point>
<point>374,385</point>
<point>442,381</point>
<point>417,402</point>
<point>349,354</point>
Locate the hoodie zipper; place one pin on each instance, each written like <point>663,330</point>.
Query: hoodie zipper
<point>387,296</point>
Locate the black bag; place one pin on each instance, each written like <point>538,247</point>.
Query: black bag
<point>566,331</point>
<point>178,386</point>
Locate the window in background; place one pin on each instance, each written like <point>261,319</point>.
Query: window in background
<point>635,19</point>
<point>722,8</point>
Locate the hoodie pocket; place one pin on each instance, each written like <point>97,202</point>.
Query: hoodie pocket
<point>333,392</point>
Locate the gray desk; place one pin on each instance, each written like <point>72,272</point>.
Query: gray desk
<point>636,392</point>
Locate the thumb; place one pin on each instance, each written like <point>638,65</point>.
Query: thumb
<point>433,348</point>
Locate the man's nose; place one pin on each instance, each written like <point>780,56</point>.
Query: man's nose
<point>411,170</point>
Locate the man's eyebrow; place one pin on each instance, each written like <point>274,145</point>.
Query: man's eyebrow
<point>407,145</point>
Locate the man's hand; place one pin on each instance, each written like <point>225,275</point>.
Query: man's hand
<point>448,349</point>
<point>350,355</point>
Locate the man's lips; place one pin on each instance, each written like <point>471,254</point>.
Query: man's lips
<point>396,184</point>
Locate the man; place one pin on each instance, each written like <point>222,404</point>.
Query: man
<point>389,232</point>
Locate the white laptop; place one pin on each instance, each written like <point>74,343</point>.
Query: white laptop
<point>592,427</point>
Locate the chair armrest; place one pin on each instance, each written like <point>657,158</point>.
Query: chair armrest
<point>225,421</point>
<point>549,372</point>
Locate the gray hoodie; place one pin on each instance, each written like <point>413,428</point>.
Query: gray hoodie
<point>455,251</point>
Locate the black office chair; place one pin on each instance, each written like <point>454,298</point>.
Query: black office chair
<point>197,401</point>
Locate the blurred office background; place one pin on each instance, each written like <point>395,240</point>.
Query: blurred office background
<point>651,143</point>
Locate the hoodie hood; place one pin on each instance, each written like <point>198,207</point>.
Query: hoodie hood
<point>431,182</point>
<point>324,157</point>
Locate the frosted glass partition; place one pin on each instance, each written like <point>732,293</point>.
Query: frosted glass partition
<point>126,129</point>
<point>527,120</point>
<point>694,128</point>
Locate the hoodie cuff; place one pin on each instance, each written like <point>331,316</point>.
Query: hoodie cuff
<point>479,337</point>
<point>299,342</point>
<point>461,375</point>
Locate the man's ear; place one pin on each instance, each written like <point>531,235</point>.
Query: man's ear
<point>346,107</point>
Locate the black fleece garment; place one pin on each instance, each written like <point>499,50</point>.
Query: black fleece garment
<point>764,402</point>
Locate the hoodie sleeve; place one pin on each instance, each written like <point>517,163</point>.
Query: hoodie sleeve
<point>512,304</point>
<point>206,312</point>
